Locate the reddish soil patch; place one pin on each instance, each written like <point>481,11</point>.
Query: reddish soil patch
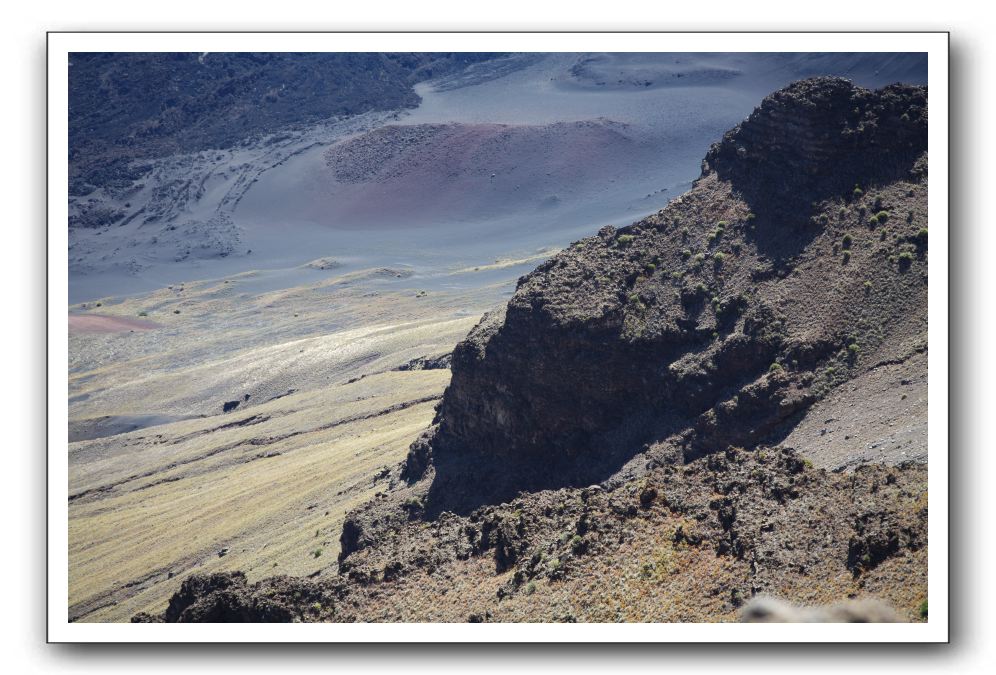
<point>96,323</point>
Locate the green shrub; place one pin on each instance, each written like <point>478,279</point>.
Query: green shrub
<point>650,268</point>
<point>775,368</point>
<point>625,240</point>
<point>923,609</point>
<point>530,588</point>
<point>882,216</point>
<point>686,254</point>
<point>750,217</point>
<point>143,313</point>
<point>317,553</point>
<point>718,258</point>
<point>857,191</point>
<point>846,241</point>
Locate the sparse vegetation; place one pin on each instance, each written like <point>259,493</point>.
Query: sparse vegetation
<point>577,544</point>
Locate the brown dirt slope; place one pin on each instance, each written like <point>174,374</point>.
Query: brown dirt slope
<point>663,365</point>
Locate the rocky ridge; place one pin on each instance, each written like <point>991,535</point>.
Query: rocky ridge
<point>620,419</point>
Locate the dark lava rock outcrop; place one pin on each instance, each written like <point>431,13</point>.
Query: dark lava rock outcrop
<point>226,597</point>
<point>685,542</point>
<point>609,445</point>
<point>791,266</point>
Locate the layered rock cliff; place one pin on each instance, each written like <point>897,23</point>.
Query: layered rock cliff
<point>795,263</point>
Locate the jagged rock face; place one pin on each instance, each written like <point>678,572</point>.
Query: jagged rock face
<point>822,136</point>
<point>711,323</point>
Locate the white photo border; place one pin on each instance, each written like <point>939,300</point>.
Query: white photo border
<point>60,44</point>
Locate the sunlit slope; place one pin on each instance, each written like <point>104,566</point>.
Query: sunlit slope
<point>266,493</point>
<point>263,487</point>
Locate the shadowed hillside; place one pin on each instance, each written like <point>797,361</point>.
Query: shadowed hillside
<point>133,106</point>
